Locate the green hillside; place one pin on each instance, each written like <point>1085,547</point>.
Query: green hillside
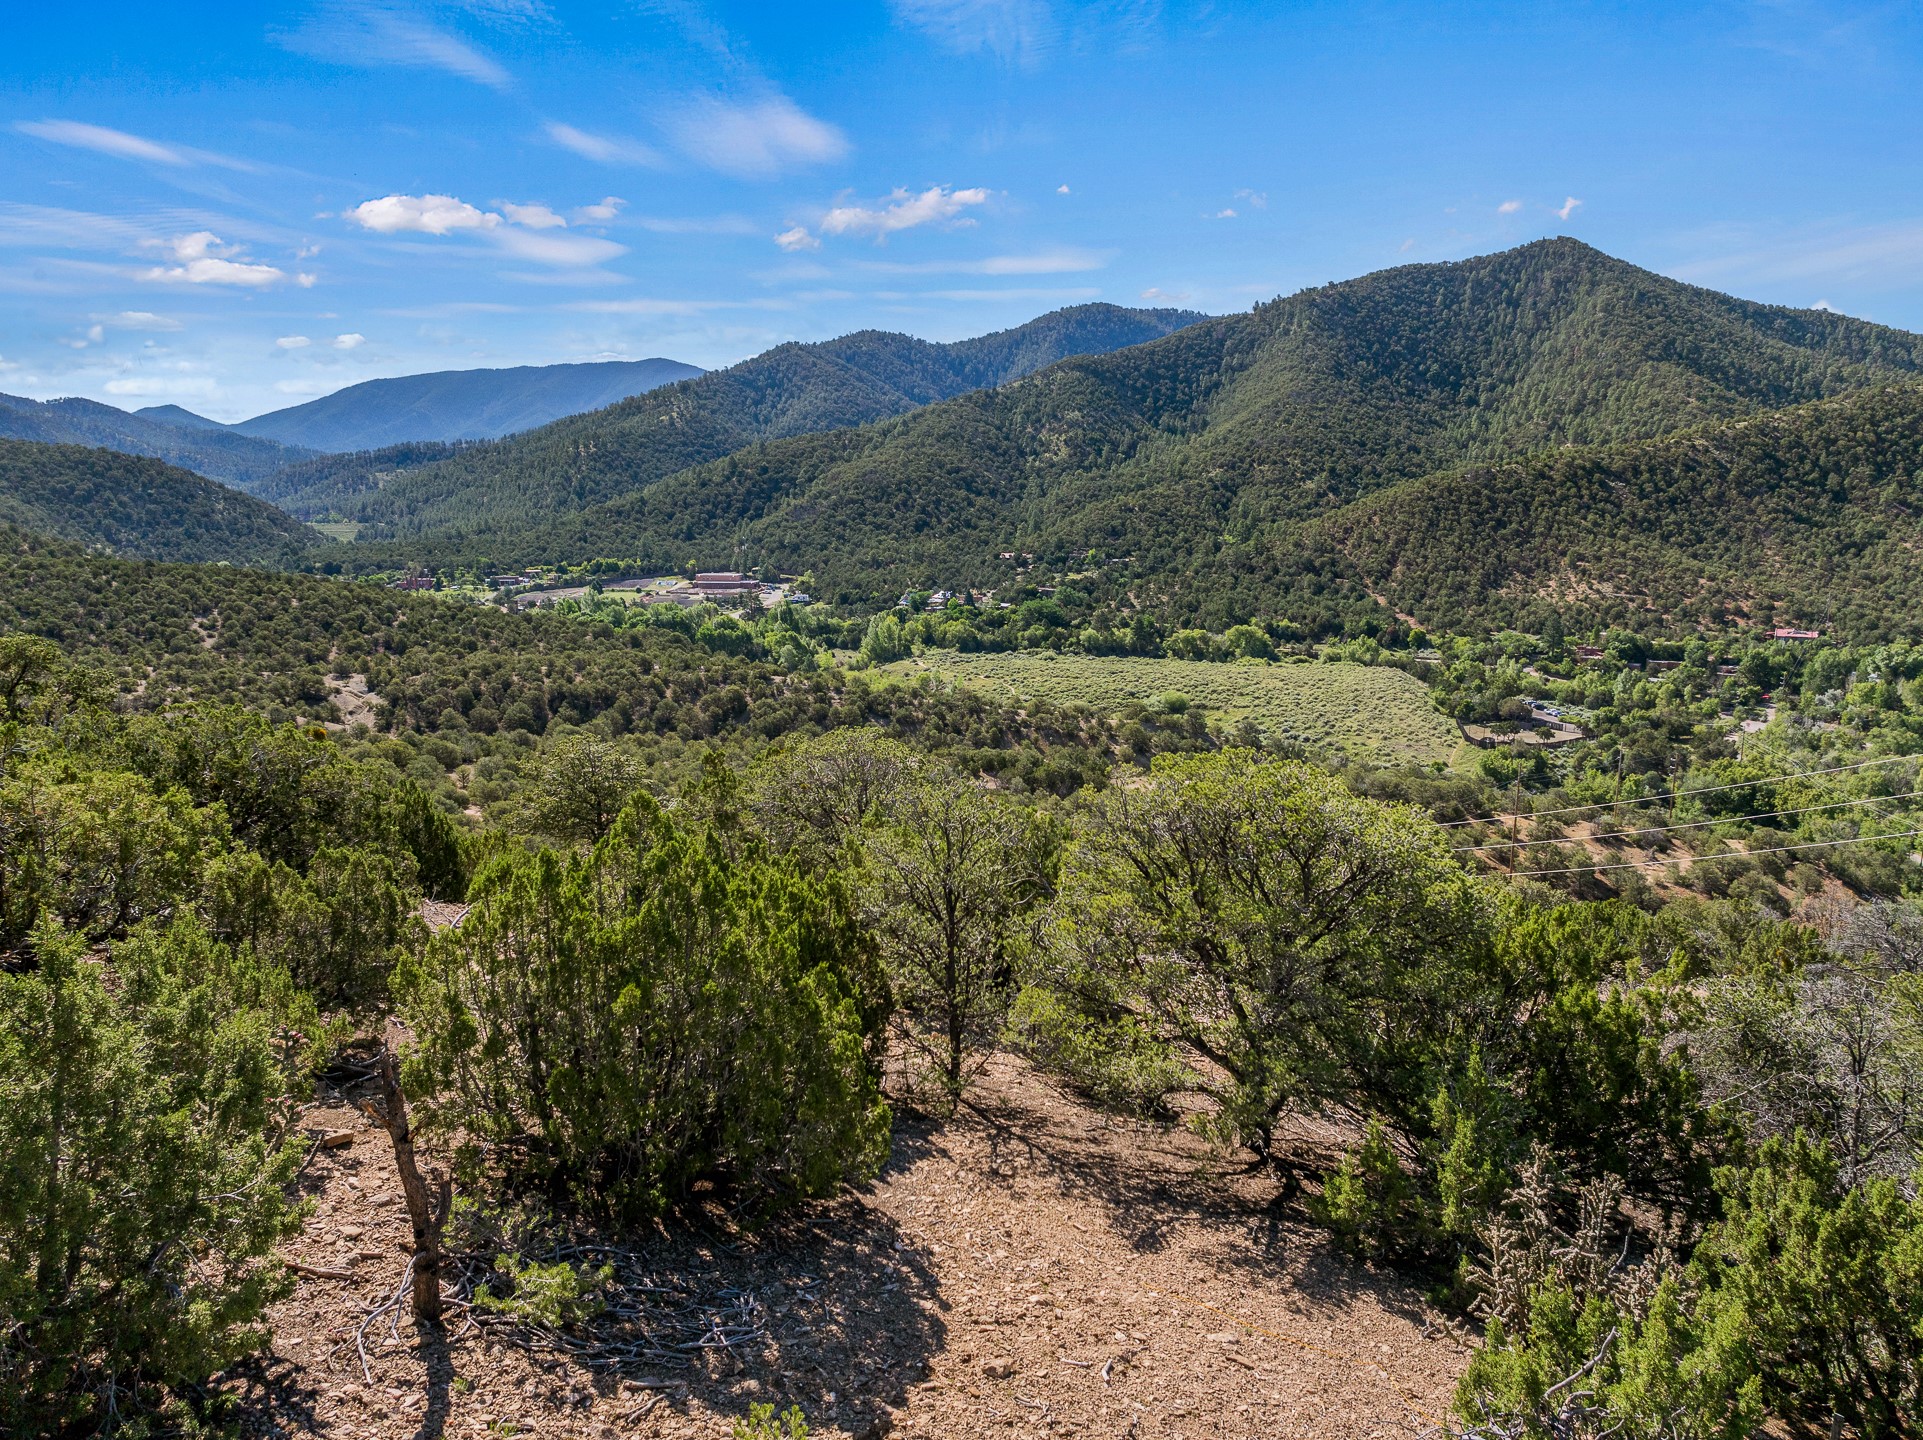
<point>135,506</point>
<point>1810,516</point>
<point>791,390</point>
<point>1189,452</point>
<point>165,432</point>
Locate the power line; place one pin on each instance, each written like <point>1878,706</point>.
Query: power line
<point>1679,794</point>
<point>1692,825</point>
<point>1705,859</point>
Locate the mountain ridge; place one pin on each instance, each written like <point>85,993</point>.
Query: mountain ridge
<point>1187,450</point>
<point>794,388</point>
<point>140,507</point>
<point>207,449</point>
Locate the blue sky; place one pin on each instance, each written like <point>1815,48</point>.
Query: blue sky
<point>237,207</point>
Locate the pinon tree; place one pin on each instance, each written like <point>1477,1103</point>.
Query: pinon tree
<point>1291,942</point>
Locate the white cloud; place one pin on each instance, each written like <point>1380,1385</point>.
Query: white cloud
<point>1156,293</point>
<point>535,217</point>
<point>1061,190</point>
<point>698,224</point>
<point>901,211</point>
<point>1825,305</point>
<point>606,210</point>
<point>1509,207</point>
<point>1258,199</point>
<point>428,214</point>
<point>1225,214</point>
<point>141,320</point>
<point>1018,31</point>
<point>527,232</point>
<point>1569,206</point>
<point>607,149</point>
<point>756,140</point>
<point>366,33</point>
<point>293,342</point>
<point>350,341</point>
<point>204,260</point>
<point>796,239</point>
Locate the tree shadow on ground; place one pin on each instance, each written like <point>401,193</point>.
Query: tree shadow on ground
<point>1151,1179</point>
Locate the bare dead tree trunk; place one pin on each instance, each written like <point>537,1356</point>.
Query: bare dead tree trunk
<point>427,1214</point>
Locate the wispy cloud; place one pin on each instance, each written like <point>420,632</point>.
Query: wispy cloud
<point>349,341</point>
<point>202,259</point>
<point>366,33</point>
<point>756,139</point>
<point>293,342</point>
<point>79,135</point>
<point>900,210</point>
<point>1064,261</point>
<point>604,149</point>
<point>796,238</point>
<point>1886,255</point>
<point>1156,293</point>
<point>1509,207</point>
<point>1017,32</point>
<point>697,224</point>
<point>1569,207</point>
<point>140,320</point>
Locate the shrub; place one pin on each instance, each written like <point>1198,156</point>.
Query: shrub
<point>631,1020</point>
<point>1369,1202</point>
<point>140,1198</point>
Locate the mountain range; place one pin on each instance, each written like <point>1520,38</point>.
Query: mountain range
<point>793,389</point>
<point>1201,455</point>
<point>1472,444</point>
<point>203,446</point>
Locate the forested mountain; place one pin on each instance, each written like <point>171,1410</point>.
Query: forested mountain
<point>793,389</point>
<point>1818,509</point>
<point>1187,452</point>
<point>460,404</point>
<point>137,506</point>
<point>327,485</point>
<point>179,416</point>
<point>204,447</point>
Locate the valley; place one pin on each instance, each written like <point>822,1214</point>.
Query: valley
<point>1346,869</point>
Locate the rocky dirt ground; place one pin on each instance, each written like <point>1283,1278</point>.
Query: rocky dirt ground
<point>1026,1268</point>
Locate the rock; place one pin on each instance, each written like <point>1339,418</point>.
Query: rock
<point>351,1232</point>
<point>1223,1337</point>
<point>1000,1368</point>
<point>335,1139</point>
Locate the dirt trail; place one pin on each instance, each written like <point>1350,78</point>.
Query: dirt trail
<point>1026,1268</point>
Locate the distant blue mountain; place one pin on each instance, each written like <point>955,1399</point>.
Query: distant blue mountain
<point>458,404</point>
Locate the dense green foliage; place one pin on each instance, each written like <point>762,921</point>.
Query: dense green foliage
<point>205,448</point>
<point>657,1012</point>
<point>1804,517</point>
<point>139,507</point>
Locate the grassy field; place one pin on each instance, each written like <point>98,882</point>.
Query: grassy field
<point>1363,711</point>
<point>343,530</point>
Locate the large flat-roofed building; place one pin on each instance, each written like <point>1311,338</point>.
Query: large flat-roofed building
<point>725,582</point>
